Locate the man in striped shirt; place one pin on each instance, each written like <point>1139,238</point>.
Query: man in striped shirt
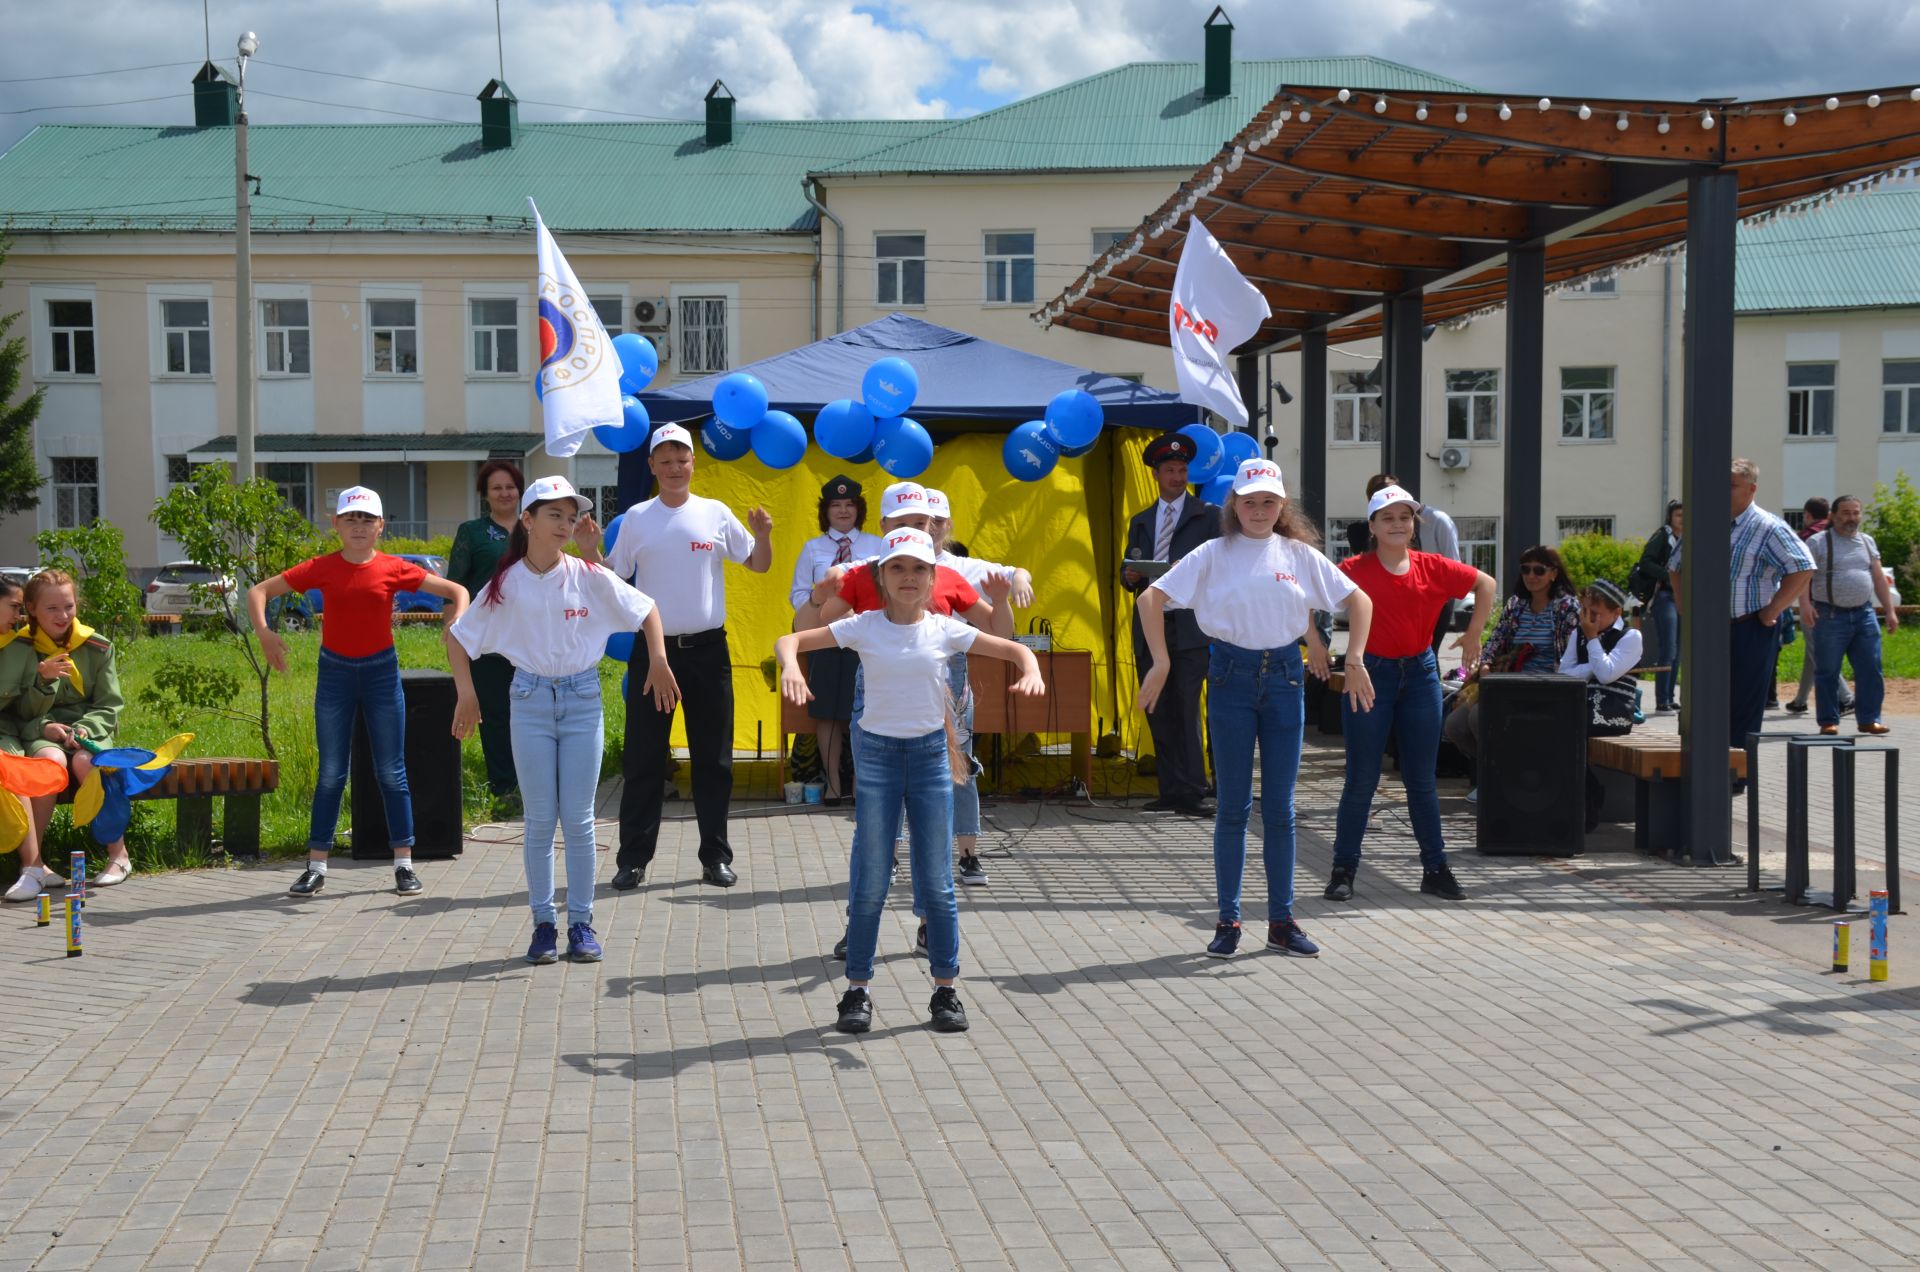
<point>1768,570</point>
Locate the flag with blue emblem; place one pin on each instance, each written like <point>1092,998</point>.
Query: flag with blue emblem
<point>579,383</point>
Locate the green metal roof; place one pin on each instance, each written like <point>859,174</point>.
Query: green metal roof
<point>504,445</point>
<point>1858,252</point>
<point>1141,115</point>
<point>585,177</point>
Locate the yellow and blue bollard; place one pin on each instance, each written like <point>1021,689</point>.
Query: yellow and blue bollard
<point>1842,944</point>
<point>73,927</point>
<point>45,917</point>
<point>1877,951</point>
<point>77,877</point>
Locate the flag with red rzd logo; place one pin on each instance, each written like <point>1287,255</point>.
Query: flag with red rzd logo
<point>1214,311</point>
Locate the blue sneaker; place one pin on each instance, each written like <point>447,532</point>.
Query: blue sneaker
<point>1226,939</point>
<point>582,947</point>
<point>1287,937</point>
<point>545,942</point>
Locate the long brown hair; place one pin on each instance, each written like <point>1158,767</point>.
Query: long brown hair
<point>40,583</point>
<point>1292,524</point>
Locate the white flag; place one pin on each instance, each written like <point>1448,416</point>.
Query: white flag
<point>1214,311</point>
<point>579,370</point>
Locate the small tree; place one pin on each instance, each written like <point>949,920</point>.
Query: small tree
<point>241,533</point>
<point>20,478</point>
<point>97,556</point>
<point>1598,556</point>
<point>1893,519</point>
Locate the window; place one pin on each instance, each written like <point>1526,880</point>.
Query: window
<point>1473,406</point>
<point>1480,542</point>
<point>1901,396</point>
<point>403,494</point>
<point>1594,287</point>
<point>1338,549</point>
<point>495,321</point>
<point>179,470</point>
<point>1104,240</point>
<point>76,493</point>
<point>187,330</point>
<point>393,327</point>
<point>1571,526</point>
<point>703,335</point>
<point>1810,399</point>
<point>296,486</point>
<point>286,339</point>
<point>1356,408</point>
<point>900,269</point>
<point>70,325</point>
<point>612,310</point>
<point>1586,404</point>
<point>1009,269</point>
<point>1796,518</point>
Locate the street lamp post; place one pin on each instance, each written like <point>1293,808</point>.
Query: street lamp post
<point>243,413</point>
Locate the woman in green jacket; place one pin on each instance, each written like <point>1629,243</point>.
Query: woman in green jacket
<point>477,548</point>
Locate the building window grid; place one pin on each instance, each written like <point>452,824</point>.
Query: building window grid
<point>1810,399</point>
<point>1900,395</point>
<point>1571,526</point>
<point>286,343</point>
<point>1480,543</point>
<point>900,269</point>
<point>1338,549</point>
<point>1473,406</point>
<point>611,308</point>
<point>393,327</point>
<point>1358,417</point>
<point>1594,287</point>
<point>703,335</point>
<point>295,483</point>
<point>1586,404</point>
<point>1009,268</point>
<point>495,321</point>
<point>186,328</point>
<point>70,329</point>
<point>76,492</point>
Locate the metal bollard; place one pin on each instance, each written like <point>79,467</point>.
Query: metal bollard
<point>1842,944</point>
<point>1877,947</point>
<point>1798,841</point>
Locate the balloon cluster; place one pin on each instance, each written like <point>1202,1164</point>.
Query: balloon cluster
<point>876,428</point>
<point>639,363</point>
<point>1216,458</point>
<point>1070,428</point>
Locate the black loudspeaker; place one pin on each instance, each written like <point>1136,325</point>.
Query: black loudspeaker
<point>1533,765</point>
<point>433,775</point>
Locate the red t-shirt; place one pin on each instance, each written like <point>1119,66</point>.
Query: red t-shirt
<point>952,594</point>
<point>1406,606</point>
<point>356,612</point>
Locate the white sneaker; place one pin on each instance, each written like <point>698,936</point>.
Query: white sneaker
<point>32,882</point>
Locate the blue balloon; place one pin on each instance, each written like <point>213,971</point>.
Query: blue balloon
<point>1208,454</point>
<point>639,361</point>
<point>723,441</point>
<point>889,387</point>
<point>779,440</point>
<point>1237,449</point>
<point>631,433</point>
<point>740,400</point>
<point>620,647</point>
<point>864,457</point>
<point>611,533</point>
<point>1075,452</point>
<point>1074,418</point>
<point>1217,491</point>
<point>1029,453</point>
<point>539,389</point>
<point>843,428</point>
<point>902,447</point>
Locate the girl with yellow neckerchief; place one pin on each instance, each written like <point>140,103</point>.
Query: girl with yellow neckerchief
<point>74,695</point>
<point>17,670</point>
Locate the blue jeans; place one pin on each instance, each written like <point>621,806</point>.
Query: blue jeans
<point>966,799</point>
<point>1255,695</point>
<point>557,739</point>
<point>1666,630</point>
<point>1855,636</point>
<point>916,773</point>
<point>369,686</point>
<point>1406,706</point>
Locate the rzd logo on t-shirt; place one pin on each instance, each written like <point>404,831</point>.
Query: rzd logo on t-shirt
<point>699,545</point>
<point>573,613</point>
<point>1280,577</point>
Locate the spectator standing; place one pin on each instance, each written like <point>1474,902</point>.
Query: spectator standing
<point>841,513</point>
<point>1654,589</point>
<point>478,546</point>
<point>1818,515</point>
<point>1837,612</point>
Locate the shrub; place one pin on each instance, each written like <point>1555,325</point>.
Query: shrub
<point>1893,519</point>
<point>440,545</point>
<point>1597,556</point>
<point>96,555</point>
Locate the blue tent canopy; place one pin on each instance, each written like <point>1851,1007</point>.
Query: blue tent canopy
<point>963,380</point>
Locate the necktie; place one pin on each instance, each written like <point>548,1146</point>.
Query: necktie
<point>1163,542</point>
<point>843,553</point>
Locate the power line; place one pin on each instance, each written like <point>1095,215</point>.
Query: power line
<point>121,70</point>
<point>131,101</point>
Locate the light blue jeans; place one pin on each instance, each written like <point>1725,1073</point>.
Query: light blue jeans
<point>1666,630</point>
<point>1255,695</point>
<point>557,739</point>
<point>892,773</point>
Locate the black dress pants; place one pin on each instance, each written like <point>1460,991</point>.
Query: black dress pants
<point>1179,755</point>
<point>704,670</point>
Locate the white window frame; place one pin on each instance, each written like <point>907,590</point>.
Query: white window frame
<point>1905,392</point>
<point>615,294</point>
<point>1809,393</point>
<point>728,292</point>
<point>1003,264</point>
<point>305,482</point>
<point>1475,549</point>
<point>1355,402</point>
<point>1587,398</point>
<point>897,262</point>
<point>1103,241</point>
<point>408,294</point>
<point>157,296</point>
<point>1473,398</point>
<point>268,294</point>
<point>525,357</point>
<point>41,298</point>
<point>598,478</point>
<point>1568,527</point>
<point>56,488</point>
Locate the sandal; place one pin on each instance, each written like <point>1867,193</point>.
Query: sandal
<point>116,872</point>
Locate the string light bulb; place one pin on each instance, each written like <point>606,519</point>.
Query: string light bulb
<point>1546,104</point>
<point>1420,112</point>
<point>1914,95</point>
<point>1706,119</point>
<point>1789,119</point>
<point>1506,112</point>
<point>1346,95</point>
<point>1286,113</point>
<point>1585,111</point>
<point>1380,104</point>
<point>1621,122</point>
<point>1873,101</point>
<point>1663,127</point>
<point>1833,103</point>
<point>1306,116</point>
<point>1460,113</point>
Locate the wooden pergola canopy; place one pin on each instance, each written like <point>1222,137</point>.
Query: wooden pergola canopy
<point>1330,205</point>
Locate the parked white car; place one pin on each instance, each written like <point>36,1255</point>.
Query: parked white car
<point>171,591</point>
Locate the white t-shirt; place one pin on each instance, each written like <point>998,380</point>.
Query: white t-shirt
<point>674,555</point>
<point>975,571</point>
<point>552,624</point>
<point>905,667</point>
<point>1254,593</point>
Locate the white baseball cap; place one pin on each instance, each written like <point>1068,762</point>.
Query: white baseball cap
<point>554,488</point>
<point>937,504</point>
<point>1259,475</point>
<point>908,543</point>
<point>903,497</point>
<point>669,433</point>
<point>1386,497</point>
<point>359,499</point>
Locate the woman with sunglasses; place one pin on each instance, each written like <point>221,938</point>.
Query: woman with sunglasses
<point>1540,617</point>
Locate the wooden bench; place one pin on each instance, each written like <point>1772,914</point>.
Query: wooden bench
<point>193,784</point>
<point>1656,764</point>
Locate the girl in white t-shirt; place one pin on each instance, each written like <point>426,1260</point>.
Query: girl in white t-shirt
<point>550,614</point>
<point>1253,591</point>
<point>904,756</point>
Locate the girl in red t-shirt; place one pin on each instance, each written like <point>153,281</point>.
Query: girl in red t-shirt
<point>1408,590</point>
<point>359,672</point>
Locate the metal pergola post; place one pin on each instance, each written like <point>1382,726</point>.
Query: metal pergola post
<point>1524,372</point>
<point>1400,450</point>
<point>1313,427</point>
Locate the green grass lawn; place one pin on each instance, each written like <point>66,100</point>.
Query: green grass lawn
<point>1899,654</point>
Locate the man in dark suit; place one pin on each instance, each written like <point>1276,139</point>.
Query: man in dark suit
<point>1176,524</point>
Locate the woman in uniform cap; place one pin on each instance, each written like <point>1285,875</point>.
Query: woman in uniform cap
<point>841,541</point>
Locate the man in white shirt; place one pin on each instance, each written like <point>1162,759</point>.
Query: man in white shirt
<point>672,547</point>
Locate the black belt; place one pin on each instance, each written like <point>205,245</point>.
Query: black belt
<point>1843,609</point>
<point>690,640</point>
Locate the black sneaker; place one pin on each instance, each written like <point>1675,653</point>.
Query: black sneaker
<point>840,949</point>
<point>1226,940</point>
<point>405,882</point>
<point>1797,707</point>
<point>920,941</point>
<point>856,1012</point>
<point>1286,937</point>
<point>971,871</point>
<point>309,882</point>
<point>948,1015</point>
<point>1441,883</point>
<point>1340,885</point>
